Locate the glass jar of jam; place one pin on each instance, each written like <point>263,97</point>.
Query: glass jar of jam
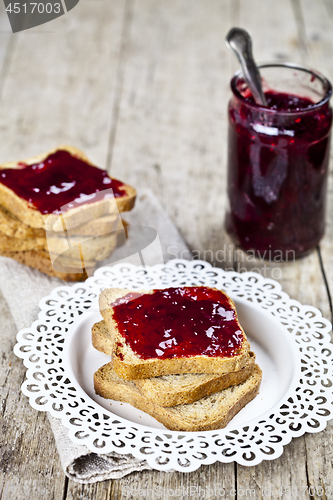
<point>278,160</point>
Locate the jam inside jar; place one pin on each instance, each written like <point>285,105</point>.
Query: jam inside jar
<point>278,160</point>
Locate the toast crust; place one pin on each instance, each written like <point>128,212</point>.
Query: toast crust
<point>11,226</point>
<point>208,413</point>
<point>172,390</point>
<point>129,366</point>
<point>101,339</point>
<point>28,214</point>
<point>96,248</point>
<point>12,244</point>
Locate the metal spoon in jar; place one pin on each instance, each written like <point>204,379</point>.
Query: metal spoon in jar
<point>239,42</point>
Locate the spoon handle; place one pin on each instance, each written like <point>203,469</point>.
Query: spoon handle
<point>239,42</point>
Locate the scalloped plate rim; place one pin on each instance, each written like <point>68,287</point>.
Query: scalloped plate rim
<point>162,431</point>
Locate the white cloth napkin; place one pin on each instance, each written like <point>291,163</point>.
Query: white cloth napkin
<point>79,463</point>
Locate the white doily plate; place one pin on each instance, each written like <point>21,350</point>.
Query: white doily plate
<point>291,342</point>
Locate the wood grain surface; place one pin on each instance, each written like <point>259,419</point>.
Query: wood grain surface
<point>142,87</point>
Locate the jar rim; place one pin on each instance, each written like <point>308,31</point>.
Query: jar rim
<point>317,74</point>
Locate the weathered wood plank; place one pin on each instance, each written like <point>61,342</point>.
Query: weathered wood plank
<point>318,25</point>
<point>171,133</point>
<point>27,469</point>
<point>273,29</point>
<point>61,84</point>
<point>279,34</point>
<point>7,45</point>
<point>164,70</point>
<point>169,137</point>
<point>58,86</point>
<point>211,482</point>
<point>320,45</point>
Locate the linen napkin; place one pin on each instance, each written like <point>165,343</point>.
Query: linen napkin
<point>78,462</point>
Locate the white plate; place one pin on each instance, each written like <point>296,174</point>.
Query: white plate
<point>276,354</point>
<point>291,343</point>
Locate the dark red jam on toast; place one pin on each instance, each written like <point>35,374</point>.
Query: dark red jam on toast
<point>179,322</point>
<point>61,179</point>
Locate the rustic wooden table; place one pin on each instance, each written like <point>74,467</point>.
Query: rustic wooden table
<point>142,87</point>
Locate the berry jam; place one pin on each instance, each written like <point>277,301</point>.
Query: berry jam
<point>179,322</point>
<point>59,180</point>
<point>277,174</point>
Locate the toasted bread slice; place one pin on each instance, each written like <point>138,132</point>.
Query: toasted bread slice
<point>177,389</point>
<point>130,365</point>
<point>26,212</point>
<point>101,338</point>
<point>70,264</point>
<point>13,227</point>
<point>40,260</point>
<point>98,227</point>
<point>208,413</point>
<point>172,390</point>
<point>12,244</point>
<point>95,248</point>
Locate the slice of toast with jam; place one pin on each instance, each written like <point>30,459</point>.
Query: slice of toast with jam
<point>172,331</point>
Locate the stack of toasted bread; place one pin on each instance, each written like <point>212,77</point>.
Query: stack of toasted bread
<point>185,393</point>
<point>67,244</point>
